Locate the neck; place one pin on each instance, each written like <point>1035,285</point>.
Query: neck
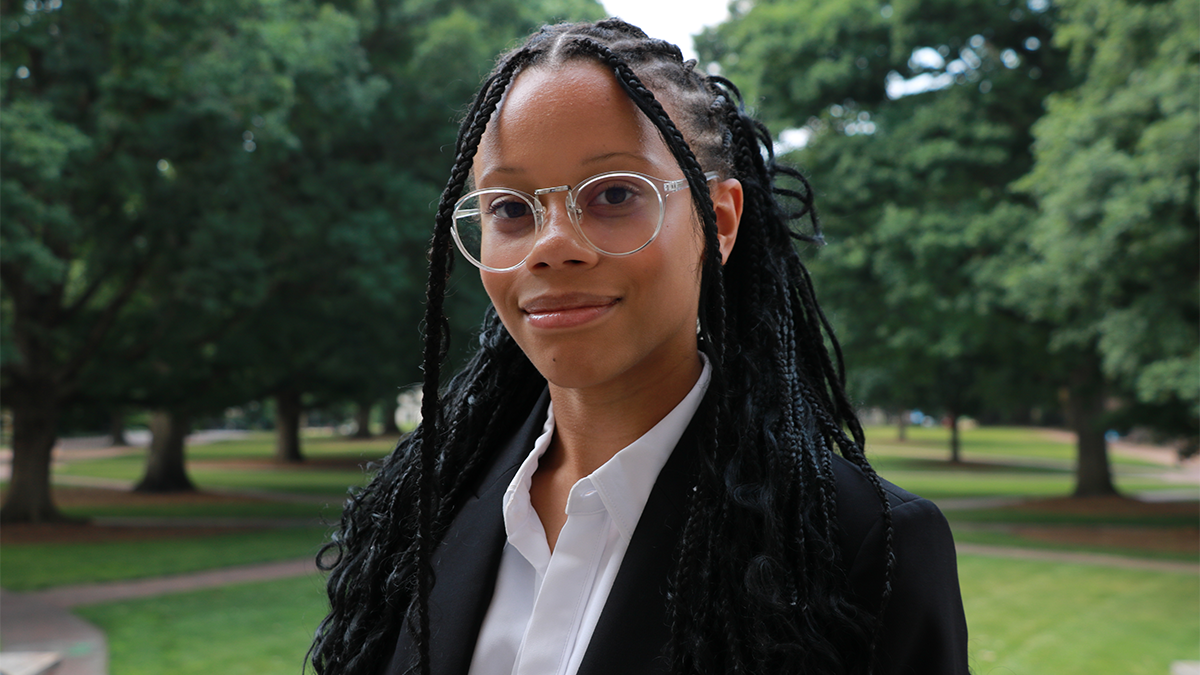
<point>592,425</point>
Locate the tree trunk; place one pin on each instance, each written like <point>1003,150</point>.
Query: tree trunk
<point>1085,411</point>
<point>362,419</point>
<point>166,470</point>
<point>29,499</point>
<point>288,410</point>
<point>902,427</point>
<point>390,427</point>
<point>955,442</point>
<point>116,429</point>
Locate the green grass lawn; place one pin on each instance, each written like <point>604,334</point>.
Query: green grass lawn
<point>26,567</point>
<point>964,534</point>
<point>246,629</point>
<point>967,483</point>
<point>981,444</point>
<point>328,511</point>
<point>1025,617</point>
<point>333,465</point>
<point>996,462</point>
<point>1042,618</point>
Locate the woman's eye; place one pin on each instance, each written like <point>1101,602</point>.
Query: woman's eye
<point>509,208</point>
<point>614,195</point>
<point>609,195</point>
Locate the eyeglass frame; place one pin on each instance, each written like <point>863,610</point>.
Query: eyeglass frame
<point>662,188</point>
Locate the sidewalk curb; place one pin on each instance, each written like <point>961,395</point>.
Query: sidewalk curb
<point>30,624</point>
<point>65,597</point>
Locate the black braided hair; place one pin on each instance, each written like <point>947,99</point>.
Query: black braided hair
<point>758,587</point>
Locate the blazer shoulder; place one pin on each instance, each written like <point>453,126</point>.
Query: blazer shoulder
<point>924,629</point>
<point>859,510</point>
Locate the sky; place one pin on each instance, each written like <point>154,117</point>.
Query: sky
<point>672,20</point>
<point>676,21</point>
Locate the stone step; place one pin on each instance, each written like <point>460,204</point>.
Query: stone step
<point>29,663</point>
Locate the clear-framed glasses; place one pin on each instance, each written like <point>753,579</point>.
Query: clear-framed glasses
<point>617,213</point>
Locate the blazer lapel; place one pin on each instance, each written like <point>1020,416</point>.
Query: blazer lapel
<point>633,629</point>
<point>466,562</point>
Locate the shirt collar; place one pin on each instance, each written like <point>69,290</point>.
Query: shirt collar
<point>623,483</point>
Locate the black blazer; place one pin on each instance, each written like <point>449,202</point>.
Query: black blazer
<point>925,632</point>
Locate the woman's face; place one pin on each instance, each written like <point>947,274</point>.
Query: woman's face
<point>587,320</point>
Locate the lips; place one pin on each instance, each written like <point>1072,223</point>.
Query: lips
<point>567,310</point>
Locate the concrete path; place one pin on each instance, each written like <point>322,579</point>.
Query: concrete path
<point>37,623</point>
<point>31,626</point>
<point>92,594</point>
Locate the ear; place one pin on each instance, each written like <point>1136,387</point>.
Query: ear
<point>727,202</point>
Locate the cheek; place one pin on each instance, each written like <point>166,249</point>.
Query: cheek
<point>683,258</point>
<point>497,288</point>
<point>672,281</point>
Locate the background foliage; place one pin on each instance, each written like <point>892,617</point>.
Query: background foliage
<point>1010,198</point>
<point>204,204</point>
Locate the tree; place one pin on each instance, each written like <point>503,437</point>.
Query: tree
<point>358,198</point>
<point>209,203</point>
<point>1111,260</point>
<point>166,469</point>
<point>125,144</point>
<point>917,116</point>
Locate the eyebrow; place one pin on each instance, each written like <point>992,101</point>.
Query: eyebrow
<point>596,159</point>
<point>610,155</point>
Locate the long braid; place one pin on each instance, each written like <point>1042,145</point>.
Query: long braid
<point>436,346</point>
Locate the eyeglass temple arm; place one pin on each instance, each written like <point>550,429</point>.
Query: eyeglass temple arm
<point>677,185</point>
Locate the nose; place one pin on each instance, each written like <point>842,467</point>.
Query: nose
<point>559,244</point>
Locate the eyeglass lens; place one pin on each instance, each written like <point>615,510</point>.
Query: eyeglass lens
<point>616,214</point>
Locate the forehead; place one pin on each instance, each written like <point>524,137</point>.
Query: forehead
<point>573,114</point>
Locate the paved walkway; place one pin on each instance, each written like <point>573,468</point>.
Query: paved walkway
<point>38,622</point>
<point>92,594</point>
<point>32,626</point>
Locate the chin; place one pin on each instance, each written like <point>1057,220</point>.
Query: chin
<point>572,372</point>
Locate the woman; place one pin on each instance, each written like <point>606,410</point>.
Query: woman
<point>645,467</point>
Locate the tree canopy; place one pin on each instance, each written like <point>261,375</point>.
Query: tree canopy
<point>1111,259</point>
<point>974,163</point>
<point>208,202</point>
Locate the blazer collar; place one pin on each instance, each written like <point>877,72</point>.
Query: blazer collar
<point>633,628</point>
<point>466,563</point>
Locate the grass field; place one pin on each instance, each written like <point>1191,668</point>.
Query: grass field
<point>37,566</point>
<point>332,465</point>
<point>1026,617</point>
<point>1041,618</point>
<point>247,629</point>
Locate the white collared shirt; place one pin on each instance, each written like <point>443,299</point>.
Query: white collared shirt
<point>546,605</point>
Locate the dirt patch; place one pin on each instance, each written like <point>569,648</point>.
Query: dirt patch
<point>85,497</point>
<point>1162,539</point>
<point>70,498</point>
<point>1131,537</point>
<point>310,464</point>
<point>1111,506</point>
